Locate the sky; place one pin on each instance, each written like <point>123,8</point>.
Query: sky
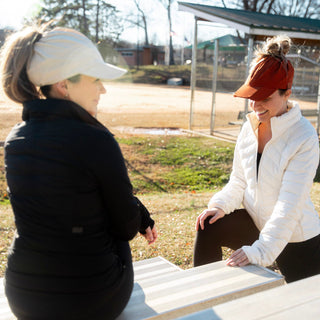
<point>13,11</point>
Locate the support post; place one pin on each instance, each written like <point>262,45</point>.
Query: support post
<point>250,55</point>
<point>214,84</point>
<point>193,70</point>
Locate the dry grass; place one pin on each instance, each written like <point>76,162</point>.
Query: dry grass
<point>8,120</point>
<point>175,216</point>
<point>6,234</point>
<point>3,184</point>
<point>315,191</point>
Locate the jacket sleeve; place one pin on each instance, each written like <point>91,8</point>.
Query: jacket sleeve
<point>146,221</point>
<point>296,184</point>
<point>231,196</point>
<point>126,215</point>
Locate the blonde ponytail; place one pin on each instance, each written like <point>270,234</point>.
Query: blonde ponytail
<point>15,55</point>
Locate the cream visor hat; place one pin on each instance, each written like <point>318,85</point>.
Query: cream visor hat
<point>63,53</point>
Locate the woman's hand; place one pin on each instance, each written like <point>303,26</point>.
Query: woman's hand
<point>151,235</point>
<point>216,214</point>
<point>238,258</point>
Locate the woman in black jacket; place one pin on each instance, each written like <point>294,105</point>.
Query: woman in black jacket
<point>68,184</point>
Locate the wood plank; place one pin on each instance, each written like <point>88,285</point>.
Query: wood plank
<point>173,295</point>
<point>153,267</point>
<point>294,301</point>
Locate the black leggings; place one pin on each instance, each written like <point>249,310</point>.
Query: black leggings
<point>297,261</point>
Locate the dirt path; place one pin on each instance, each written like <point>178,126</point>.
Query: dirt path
<point>145,98</point>
<point>142,105</point>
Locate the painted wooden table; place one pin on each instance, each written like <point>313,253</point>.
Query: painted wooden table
<point>164,291</point>
<point>295,301</point>
<point>175,294</point>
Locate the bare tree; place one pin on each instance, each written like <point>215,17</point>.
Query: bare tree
<point>256,5</point>
<point>108,24</point>
<point>84,20</point>
<point>141,21</point>
<point>167,4</point>
<point>294,8</point>
<point>97,19</point>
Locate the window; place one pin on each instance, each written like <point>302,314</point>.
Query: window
<point>127,54</point>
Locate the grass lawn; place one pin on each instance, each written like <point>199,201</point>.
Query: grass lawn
<point>175,178</point>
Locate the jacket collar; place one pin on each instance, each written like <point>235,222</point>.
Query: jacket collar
<point>46,109</point>
<point>278,124</point>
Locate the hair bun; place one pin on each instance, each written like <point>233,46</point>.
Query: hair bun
<point>277,46</point>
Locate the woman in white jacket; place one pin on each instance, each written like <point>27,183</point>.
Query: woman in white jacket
<point>275,161</point>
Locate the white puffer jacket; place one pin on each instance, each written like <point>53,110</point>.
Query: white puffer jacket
<point>278,200</point>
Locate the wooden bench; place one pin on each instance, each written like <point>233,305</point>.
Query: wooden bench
<point>164,291</point>
<point>295,301</point>
<point>308,113</point>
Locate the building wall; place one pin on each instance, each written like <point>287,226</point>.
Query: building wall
<point>147,56</point>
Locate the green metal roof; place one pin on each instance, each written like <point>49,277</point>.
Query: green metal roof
<point>226,43</point>
<point>256,23</point>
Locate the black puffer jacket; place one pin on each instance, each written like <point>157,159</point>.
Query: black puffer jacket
<point>72,199</point>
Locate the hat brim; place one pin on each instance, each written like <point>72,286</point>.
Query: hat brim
<point>256,94</point>
<point>104,71</point>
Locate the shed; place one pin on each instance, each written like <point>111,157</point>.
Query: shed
<point>227,44</point>
<point>257,26</point>
<point>144,55</point>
